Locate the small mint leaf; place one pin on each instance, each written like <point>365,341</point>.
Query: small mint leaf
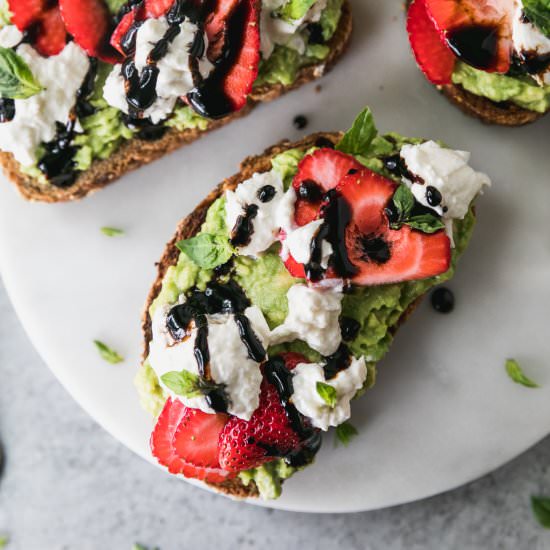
<point>328,394</point>
<point>112,231</point>
<point>515,372</point>
<point>358,138</point>
<point>345,432</point>
<point>541,509</point>
<point>107,353</point>
<point>188,384</point>
<point>206,250</point>
<point>16,78</point>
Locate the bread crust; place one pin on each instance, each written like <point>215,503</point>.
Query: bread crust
<point>135,153</point>
<point>490,112</point>
<point>191,225</point>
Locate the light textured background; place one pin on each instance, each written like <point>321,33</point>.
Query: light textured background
<point>67,484</point>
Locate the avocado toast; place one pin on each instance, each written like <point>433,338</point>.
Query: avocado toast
<point>140,79</point>
<point>282,290</point>
<point>491,58</point>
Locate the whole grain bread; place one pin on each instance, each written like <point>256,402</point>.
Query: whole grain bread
<point>191,225</point>
<point>135,153</point>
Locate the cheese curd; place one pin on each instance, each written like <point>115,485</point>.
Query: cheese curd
<point>530,42</point>
<point>275,30</point>
<point>309,402</point>
<point>272,215</point>
<point>35,118</point>
<point>299,244</point>
<point>230,363</point>
<point>448,172</point>
<point>175,78</point>
<point>313,317</point>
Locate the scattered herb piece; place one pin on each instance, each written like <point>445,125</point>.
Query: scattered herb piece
<point>358,138</point>
<point>328,394</point>
<point>3,541</point>
<point>188,384</point>
<point>537,12</point>
<point>107,353</point>
<point>138,546</point>
<point>112,231</point>
<point>16,78</point>
<point>515,372</point>
<point>345,432</point>
<point>206,250</point>
<point>541,509</point>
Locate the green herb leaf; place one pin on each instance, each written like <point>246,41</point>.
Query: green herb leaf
<point>403,200</point>
<point>188,384</point>
<point>296,9</point>
<point>538,12</point>
<point>427,223</point>
<point>345,432</point>
<point>107,353</point>
<point>112,231</point>
<point>16,79</point>
<point>206,250</point>
<point>138,546</point>
<point>357,139</point>
<point>541,509</point>
<point>328,394</point>
<point>3,541</point>
<point>515,372</point>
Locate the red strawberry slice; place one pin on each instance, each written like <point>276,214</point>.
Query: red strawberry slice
<point>178,422</point>
<point>478,31</point>
<point>380,254</point>
<point>217,25</point>
<point>123,27</point>
<point>51,35</point>
<point>317,174</point>
<point>432,54</point>
<point>91,25</point>
<point>268,433</point>
<point>26,12</point>
<point>158,8</point>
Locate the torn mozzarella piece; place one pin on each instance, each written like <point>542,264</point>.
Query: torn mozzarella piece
<point>299,243</point>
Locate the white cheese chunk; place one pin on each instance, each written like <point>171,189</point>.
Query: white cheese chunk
<point>298,242</point>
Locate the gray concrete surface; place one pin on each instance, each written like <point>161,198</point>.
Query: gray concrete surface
<point>67,484</point>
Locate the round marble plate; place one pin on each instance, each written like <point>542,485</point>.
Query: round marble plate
<point>443,412</point>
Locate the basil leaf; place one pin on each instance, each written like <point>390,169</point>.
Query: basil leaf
<point>3,541</point>
<point>328,394</point>
<point>345,432</point>
<point>541,509</point>
<point>138,546</point>
<point>403,200</point>
<point>188,384</point>
<point>538,12</point>
<point>515,372</point>
<point>206,250</point>
<point>357,139</point>
<point>296,9</point>
<point>427,223</point>
<point>111,231</point>
<point>107,353</point>
<point>16,79</point>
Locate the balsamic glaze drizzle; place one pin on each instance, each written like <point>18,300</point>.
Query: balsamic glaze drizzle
<point>241,233</point>
<point>7,109</point>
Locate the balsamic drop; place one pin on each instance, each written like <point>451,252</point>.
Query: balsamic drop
<point>300,122</point>
<point>443,300</point>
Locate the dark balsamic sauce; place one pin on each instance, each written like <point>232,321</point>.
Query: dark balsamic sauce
<point>244,228</point>
<point>433,196</point>
<point>349,328</point>
<point>310,191</point>
<point>216,298</point>
<point>324,142</point>
<point>534,63</point>
<point>443,300</point>
<point>315,31</point>
<point>337,362</point>
<point>266,193</point>
<point>396,166</point>
<point>300,122</point>
<point>277,374</point>
<point>476,45</point>
<point>57,163</point>
<point>336,215</point>
<point>7,109</point>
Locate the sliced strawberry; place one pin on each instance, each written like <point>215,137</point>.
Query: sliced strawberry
<point>380,254</point>
<point>196,439</point>
<point>317,174</point>
<point>217,26</point>
<point>51,34</point>
<point>295,268</point>
<point>163,445</point>
<point>26,12</point>
<point>267,435</point>
<point>91,25</point>
<point>478,31</point>
<point>124,26</point>
<point>432,54</point>
<point>158,8</point>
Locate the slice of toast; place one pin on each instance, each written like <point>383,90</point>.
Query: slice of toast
<point>191,225</point>
<point>135,153</point>
<point>503,114</point>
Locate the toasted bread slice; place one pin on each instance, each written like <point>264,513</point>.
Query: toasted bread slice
<point>135,153</point>
<point>503,114</point>
<point>191,225</point>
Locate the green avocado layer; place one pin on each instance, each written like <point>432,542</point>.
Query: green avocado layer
<point>522,91</point>
<point>377,309</point>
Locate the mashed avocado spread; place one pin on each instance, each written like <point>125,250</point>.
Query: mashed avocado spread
<point>376,308</point>
<point>520,90</point>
